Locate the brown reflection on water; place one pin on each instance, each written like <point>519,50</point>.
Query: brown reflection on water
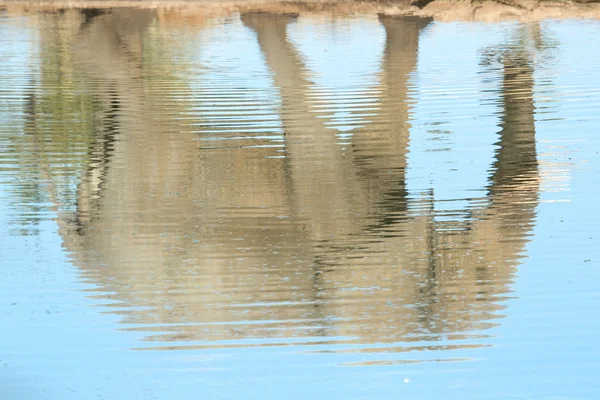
<point>224,243</point>
<point>334,190</point>
<point>475,261</point>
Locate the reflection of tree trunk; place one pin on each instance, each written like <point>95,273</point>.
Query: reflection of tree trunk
<point>381,148</point>
<point>516,163</point>
<point>324,187</point>
<point>514,183</point>
<point>498,233</point>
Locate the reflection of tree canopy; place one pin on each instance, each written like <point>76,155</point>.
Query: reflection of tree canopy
<point>60,119</point>
<point>323,241</point>
<point>73,103</point>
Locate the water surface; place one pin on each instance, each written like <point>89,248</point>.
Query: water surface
<point>290,206</point>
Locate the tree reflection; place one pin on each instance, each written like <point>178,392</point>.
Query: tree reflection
<point>324,242</point>
<point>417,275</point>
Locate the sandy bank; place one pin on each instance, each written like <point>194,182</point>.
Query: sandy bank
<point>445,10</point>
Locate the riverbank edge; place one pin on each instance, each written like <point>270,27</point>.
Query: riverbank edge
<point>465,10</point>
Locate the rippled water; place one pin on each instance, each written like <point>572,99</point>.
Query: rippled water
<point>296,206</point>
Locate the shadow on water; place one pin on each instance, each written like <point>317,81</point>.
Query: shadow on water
<point>206,247</point>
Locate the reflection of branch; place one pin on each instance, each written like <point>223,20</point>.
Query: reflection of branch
<point>117,38</point>
<point>44,167</point>
<point>497,233</point>
<point>94,177</point>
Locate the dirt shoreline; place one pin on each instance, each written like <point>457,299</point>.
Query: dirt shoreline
<point>444,10</point>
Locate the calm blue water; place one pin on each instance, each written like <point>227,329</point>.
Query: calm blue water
<point>297,206</point>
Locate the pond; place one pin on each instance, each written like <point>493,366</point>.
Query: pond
<point>297,205</point>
